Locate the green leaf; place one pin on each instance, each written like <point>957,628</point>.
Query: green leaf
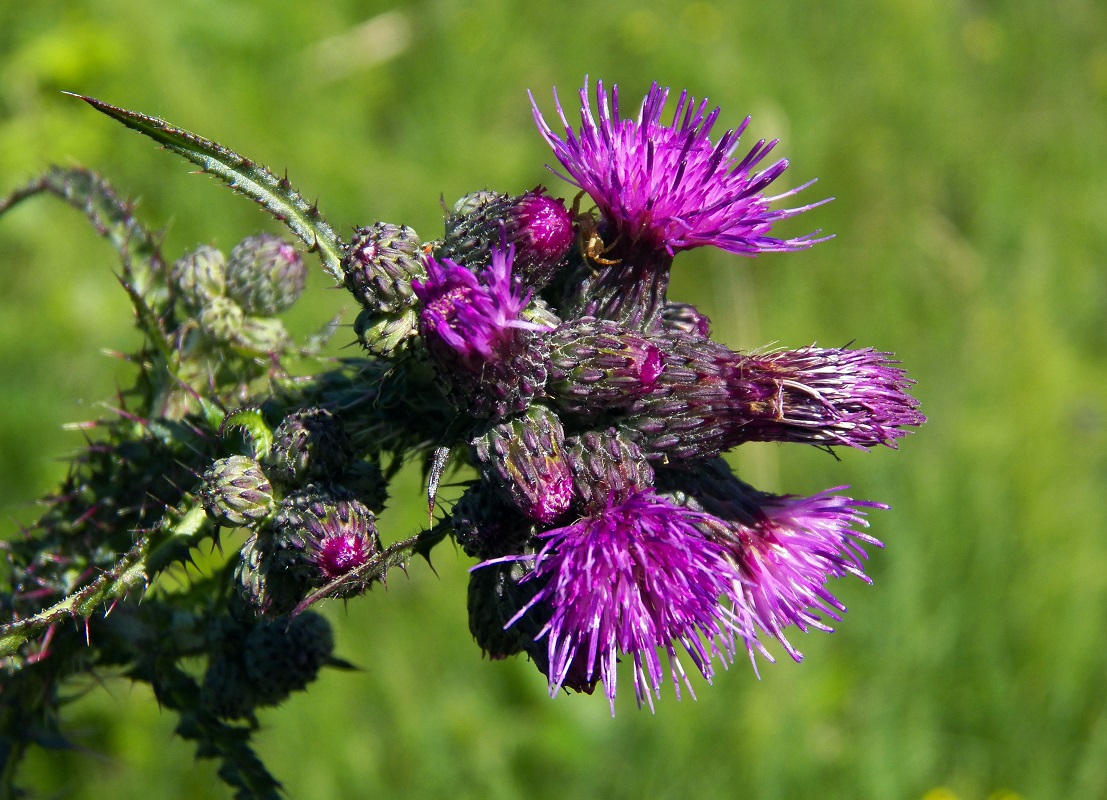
<point>244,176</point>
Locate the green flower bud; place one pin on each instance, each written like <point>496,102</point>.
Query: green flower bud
<point>221,319</point>
<point>236,492</point>
<point>379,265</point>
<point>199,276</point>
<point>386,334</point>
<point>265,275</point>
<point>309,445</point>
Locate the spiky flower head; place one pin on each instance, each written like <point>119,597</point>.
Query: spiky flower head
<point>309,445</point>
<point>524,459</point>
<point>265,274</point>
<point>198,276</point>
<point>474,332</point>
<point>639,579</point>
<point>710,399</point>
<point>324,533</point>
<point>598,364</point>
<point>670,186</point>
<point>379,264</point>
<point>235,492</point>
<point>785,548</point>
<point>540,227</point>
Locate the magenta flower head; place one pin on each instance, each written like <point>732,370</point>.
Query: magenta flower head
<point>787,558</point>
<point>639,579</point>
<point>669,186</point>
<point>474,332</point>
<point>784,548</point>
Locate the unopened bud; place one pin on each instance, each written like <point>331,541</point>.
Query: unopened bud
<point>309,445</point>
<point>283,656</point>
<point>265,275</point>
<point>262,336</point>
<point>386,334</point>
<point>199,276</point>
<point>236,492</point>
<point>523,458</point>
<point>379,265</point>
<point>598,364</point>
<point>607,466</point>
<point>221,319</point>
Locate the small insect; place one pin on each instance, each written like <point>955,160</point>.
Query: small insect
<point>589,241</point>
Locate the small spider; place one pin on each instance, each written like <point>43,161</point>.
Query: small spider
<point>589,241</point>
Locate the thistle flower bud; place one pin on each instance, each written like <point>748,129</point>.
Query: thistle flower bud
<point>265,275</point>
<point>199,276</point>
<point>379,265</point>
<point>324,533</point>
<point>710,399</point>
<point>309,445</point>
<point>542,230</point>
<point>524,459</point>
<point>486,526</point>
<point>222,319</point>
<point>267,578</point>
<point>236,492</point>
<point>476,223</point>
<point>598,364</point>
<point>607,467</point>
<point>283,656</point>
<point>540,227</point>
<point>386,334</point>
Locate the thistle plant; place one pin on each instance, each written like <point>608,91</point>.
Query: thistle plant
<point>531,348</point>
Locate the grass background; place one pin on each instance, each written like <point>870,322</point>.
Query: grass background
<point>966,144</point>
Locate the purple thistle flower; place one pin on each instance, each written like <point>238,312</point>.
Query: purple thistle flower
<point>832,396</point>
<point>669,187</point>
<point>474,318</point>
<point>474,332</point>
<point>710,398</point>
<point>786,559</point>
<point>635,578</point>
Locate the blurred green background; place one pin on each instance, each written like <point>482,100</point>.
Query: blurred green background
<point>966,144</point>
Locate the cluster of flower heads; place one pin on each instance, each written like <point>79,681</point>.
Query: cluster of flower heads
<point>595,410</point>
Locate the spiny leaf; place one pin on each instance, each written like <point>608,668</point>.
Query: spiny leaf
<point>275,195</point>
